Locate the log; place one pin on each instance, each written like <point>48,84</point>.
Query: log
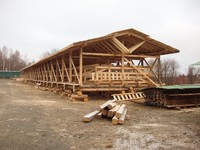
<point>120,111</point>
<point>112,112</point>
<point>104,105</point>
<point>111,105</point>
<point>115,120</point>
<point>90,116</point>
<point>123,117</point>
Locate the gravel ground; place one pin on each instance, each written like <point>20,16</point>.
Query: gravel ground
<point>34,119</point>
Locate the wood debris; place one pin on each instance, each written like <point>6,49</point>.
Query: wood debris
<point>110,109</point>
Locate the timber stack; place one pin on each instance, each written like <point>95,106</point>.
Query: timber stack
<point>173,96</point>
<point>110,109</point>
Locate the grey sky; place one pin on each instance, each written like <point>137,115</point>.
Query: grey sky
<point>35,26</point>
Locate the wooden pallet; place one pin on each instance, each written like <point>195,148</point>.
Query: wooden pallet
<point>128,96</point>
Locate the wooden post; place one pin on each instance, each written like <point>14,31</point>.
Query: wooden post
<point>122,61</point>
<point>63,68</point>
<point>158,65</point>
<point>70,67</point>
<point>81,67</point>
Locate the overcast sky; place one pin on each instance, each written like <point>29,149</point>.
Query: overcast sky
<point>36,26</point>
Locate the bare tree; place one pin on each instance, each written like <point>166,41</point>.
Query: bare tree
<point>47,53</point>
<point>10,60</point>
<point>4,57</point>
<point>173,71</point>
<point>168,70</point>
<point>193,75</point>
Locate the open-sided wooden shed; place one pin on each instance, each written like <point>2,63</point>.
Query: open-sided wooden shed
<point>113,62</point>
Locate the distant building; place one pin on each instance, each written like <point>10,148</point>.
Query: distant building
<point>9,74</point>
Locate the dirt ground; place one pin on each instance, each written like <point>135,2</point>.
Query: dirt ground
<point>34,119</point>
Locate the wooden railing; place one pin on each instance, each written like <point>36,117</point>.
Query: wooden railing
<point>110,76</point>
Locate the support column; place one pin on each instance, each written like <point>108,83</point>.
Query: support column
<point>70,67</point>
<point>158,65</point>
<point>62,78</point>
<point>122,61</point>
<point>81,66</point>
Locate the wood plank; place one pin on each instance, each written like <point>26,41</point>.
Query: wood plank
<point>123,117</point>
<point>65,68</point>
<point>134,47</point>
<point>52,69</point>
<point>120,111</point>
<point>117,55</point>
<point>70,66</point>
<point>90,116</point>
<point>112,112</point>
<point>121,46</point>
<point>104,105</point>
<point>115,120</point>
<point>111,105</point>
<point>81,67</point>
<point>74,68</point>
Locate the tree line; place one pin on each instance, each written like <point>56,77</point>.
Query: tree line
<point>170,75</point>
<point>11,60</point>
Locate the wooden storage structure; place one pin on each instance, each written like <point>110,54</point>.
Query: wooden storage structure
<point>113,62</point>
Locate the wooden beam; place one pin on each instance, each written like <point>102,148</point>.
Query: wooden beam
<point>117,55</point>
<point>81,67</point>
<point>123,117</point>
<point>65,68</point>
<point>115,120</point>
<point>121,46</point>
<point>90,116</point>
<point>104,105</point>
<point>52,69</point>
<point>50,72</point>
<point>112,112</point>
<point>134,47</point>
<point>59,70</point>
<point>158,65</point>
<point>74,68</point>
<point>122,61</point>
<point>120,111</point>
<point>70,67</point>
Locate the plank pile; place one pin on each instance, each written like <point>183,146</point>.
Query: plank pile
<point>173,96</point>
<point>110,109</point>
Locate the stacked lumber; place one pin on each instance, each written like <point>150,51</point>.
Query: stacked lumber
<point>173,97</point>
<point>110,109</point>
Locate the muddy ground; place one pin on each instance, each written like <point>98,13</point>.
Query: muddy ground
<point>34,119</point>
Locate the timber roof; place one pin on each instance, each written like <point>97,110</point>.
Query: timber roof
<point>128,41</point>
